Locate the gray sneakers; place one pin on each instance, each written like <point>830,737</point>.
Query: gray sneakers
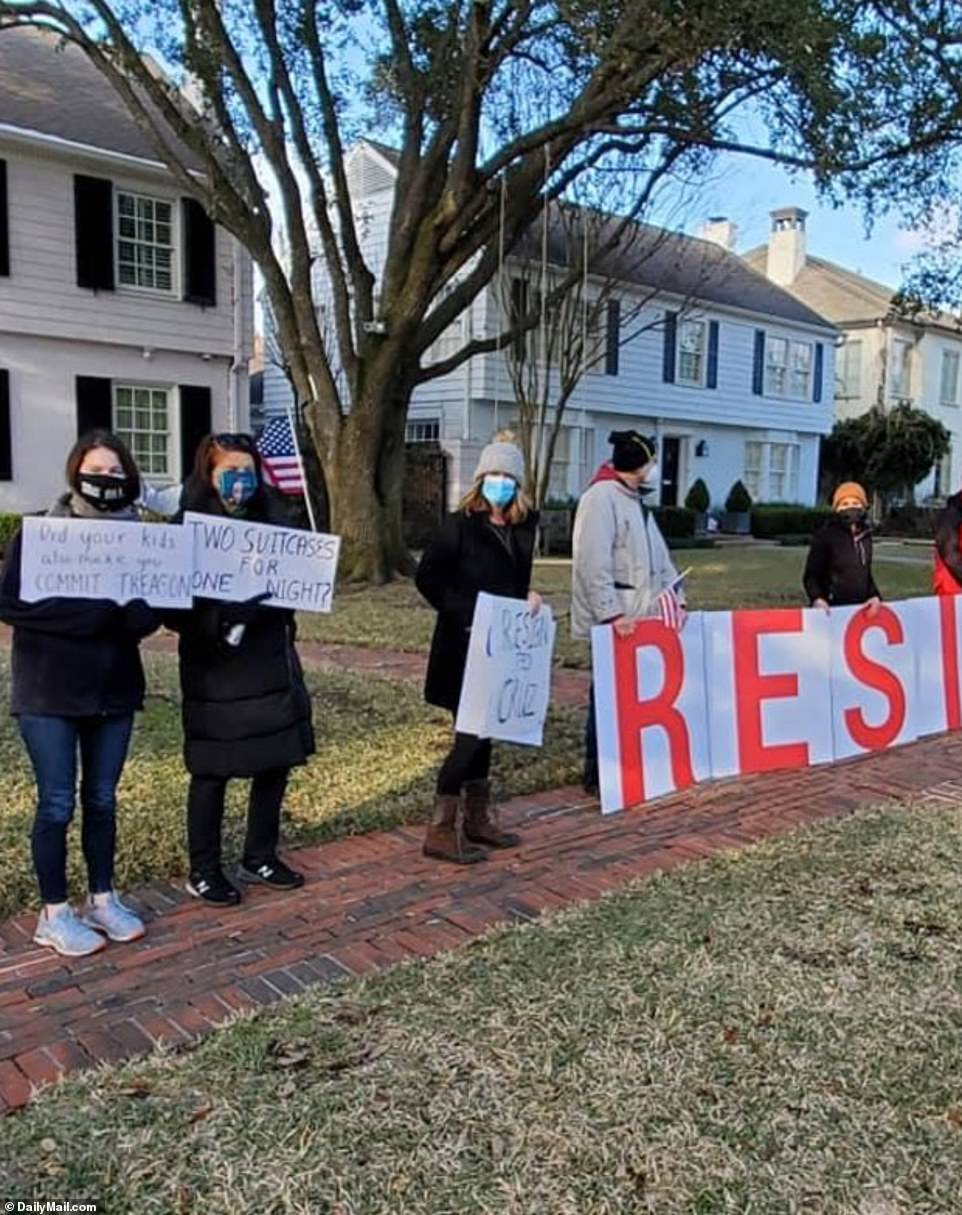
<point>65,933</point>
<point>113,918</point>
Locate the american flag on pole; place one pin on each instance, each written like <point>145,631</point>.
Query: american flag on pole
<point>282,463</point>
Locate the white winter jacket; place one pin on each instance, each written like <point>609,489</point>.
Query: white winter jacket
<point>620,562</point>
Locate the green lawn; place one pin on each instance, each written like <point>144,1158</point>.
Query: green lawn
<point>379,747</point>
<point>775,1031</point>
<point>396,617</point>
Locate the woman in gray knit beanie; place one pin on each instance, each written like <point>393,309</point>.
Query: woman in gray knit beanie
<point>486,545</point>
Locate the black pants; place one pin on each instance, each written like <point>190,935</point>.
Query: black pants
<point>589,779</point>
<point>468,759</point>
<point>205,814</point>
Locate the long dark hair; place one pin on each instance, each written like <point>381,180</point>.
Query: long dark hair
<point>99,438</point>
<point>200,493</point>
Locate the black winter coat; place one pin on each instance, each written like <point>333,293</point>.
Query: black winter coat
<point>467,557</point>
<point>839,565</point>
<point>72,657</point>
<point>246,708</point>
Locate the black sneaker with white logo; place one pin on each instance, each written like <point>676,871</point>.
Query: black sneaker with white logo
<point>213,888</point>
<point>271,873</point>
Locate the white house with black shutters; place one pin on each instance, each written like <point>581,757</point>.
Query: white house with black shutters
<point>121,304</point>
<point>731,372</point>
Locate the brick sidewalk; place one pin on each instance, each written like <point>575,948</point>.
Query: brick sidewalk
<point>373,900</point>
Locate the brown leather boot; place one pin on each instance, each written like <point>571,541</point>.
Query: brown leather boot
<point>444,838</point>
<point>481,819</point>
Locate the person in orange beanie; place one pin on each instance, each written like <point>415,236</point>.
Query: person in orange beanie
<point>947,571</point>
<point>839,566</point>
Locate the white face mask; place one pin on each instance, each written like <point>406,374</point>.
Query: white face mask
<point>651,476</point>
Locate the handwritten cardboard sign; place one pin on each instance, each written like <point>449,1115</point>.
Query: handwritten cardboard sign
<point>507,680</point>
<point>106,559</point>
<point>235,560</point>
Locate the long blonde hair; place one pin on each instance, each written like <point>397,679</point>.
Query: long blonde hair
<point>474,502</point>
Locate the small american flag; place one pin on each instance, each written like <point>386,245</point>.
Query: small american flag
<point>278,449</point>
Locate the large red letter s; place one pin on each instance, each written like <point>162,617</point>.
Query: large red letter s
<point>752,687</point>
<point>877,677</point>
<point>635,715</point>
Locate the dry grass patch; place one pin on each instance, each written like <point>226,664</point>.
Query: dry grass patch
<point>776,1031</point>
<point>379,748</point>
<point>396,617</point>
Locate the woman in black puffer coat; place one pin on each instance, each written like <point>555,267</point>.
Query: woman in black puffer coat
<point>486,545</point>
<point>246,710</point>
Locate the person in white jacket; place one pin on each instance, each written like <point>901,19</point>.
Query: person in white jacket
<point>621,568</point>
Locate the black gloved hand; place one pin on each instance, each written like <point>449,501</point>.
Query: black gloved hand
<point>139,618</point>
<point>243,612</point>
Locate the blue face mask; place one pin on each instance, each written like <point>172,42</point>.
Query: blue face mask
<point>236,485</point>
<point>499,491</point>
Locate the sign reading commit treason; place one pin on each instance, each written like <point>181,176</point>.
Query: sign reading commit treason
<point>235,560</point>
<point>103,559</point>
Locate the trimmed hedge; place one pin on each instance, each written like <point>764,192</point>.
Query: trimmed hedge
<point>9,526</point>
<point>769,522</point>
<point>675,522</point>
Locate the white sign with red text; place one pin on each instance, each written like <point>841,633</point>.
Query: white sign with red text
<point>758,691</point>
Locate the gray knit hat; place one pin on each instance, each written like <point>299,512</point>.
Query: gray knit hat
<point>501,457</point>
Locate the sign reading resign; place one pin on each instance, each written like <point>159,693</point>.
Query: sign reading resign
<point>756,691</point>
<point>235,560</point>
<point>104,559</point>
<point>507,680</point>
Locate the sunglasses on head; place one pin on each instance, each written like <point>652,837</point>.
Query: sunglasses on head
<point>241,442</point>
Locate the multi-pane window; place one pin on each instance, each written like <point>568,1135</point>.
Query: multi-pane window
<point>788,368</point>
<point>691,353</point>
<point>771,471</point>
<point>782,472</point>
<point>949,391</point>
<point>753,469</point>
<point>423,430</point>
<point>900,378</point>
<point>145,242</point>
<point>560,464</point>
<point>850,370</point>
<point>942,482</point>
<point>142,420</point>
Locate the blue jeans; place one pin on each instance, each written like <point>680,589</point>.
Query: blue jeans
<point>52,744</point>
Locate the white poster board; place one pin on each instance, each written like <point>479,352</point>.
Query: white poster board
<point>656,739</point>
<point>507,680</point>
<point>235,560</point>
<point>106,559</point>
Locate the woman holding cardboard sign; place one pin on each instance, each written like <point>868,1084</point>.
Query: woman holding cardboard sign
<point>486,545</point>
<point>77,682</point>
<point>247,712</point>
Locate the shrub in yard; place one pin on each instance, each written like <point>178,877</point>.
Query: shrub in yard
<point>771,521</point>
<point>698,498</point>
<point>739,500</point>
<point>9,526</point>
<point>675,522</point>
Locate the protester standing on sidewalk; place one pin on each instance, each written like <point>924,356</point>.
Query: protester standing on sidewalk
<point>947,573</point>
<point>838,570</point>
<point>246,709</point>
<point>621,570</point>
<point>77,681</point>
<point>486,545</point>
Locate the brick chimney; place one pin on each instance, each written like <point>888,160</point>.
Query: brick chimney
<point>786,245</point>
<point>720,231</point>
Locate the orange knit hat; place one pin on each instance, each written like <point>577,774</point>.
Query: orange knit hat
<point>849,489</point>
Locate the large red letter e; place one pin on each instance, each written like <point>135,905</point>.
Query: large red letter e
<point>752,687</point>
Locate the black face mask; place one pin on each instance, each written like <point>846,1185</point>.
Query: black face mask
<point>854,516</point>
<point>107,493</point>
